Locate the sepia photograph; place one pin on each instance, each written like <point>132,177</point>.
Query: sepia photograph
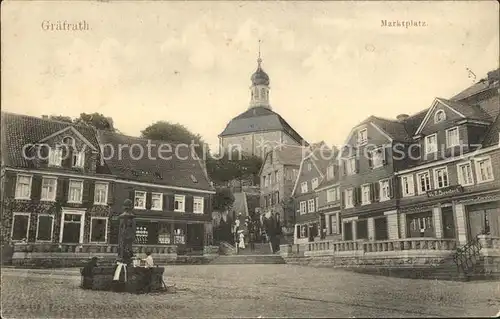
<point>250,159</point>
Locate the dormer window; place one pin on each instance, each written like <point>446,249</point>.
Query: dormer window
<point>78,159</point>
<point>55,156</point>
<point>69,141</point>
<point>362,137</point>
<point>439,116</point>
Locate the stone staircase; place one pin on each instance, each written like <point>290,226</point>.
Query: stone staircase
<point>261,254</point>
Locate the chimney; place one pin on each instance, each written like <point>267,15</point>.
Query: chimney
<point>45,116</point>
<point>402,117</point>
<point>493,76</point>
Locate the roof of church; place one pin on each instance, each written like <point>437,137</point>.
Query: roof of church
<point>259,119</point>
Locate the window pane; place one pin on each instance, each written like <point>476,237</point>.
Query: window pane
<point>98,230</point>
<point>20,227</point>
<point>44,228</point>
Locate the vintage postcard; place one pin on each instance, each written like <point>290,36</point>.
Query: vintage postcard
<point>250,159</point>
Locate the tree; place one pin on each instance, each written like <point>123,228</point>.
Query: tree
<point>176,133</point>
<point>60,118</point>
<point>234,166</point>
<point>223,199</point>
<point>96,120</point>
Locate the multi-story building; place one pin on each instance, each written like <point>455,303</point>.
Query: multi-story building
<point>309,223</point>
<point>367,184</point>
<point>278,174</point>
<point>407,177</point>
<point>328,194</point>
<point>452,189</point>
<point>259,128</point>
<point>62,185</point>
<point>171,196</point>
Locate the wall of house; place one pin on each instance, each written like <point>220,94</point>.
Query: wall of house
<point>252,142</point>
<point>36,207</point>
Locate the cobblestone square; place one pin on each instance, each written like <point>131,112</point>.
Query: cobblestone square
<point>248,291</point>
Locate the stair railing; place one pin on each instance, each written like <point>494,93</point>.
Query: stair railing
<point>466,256</point>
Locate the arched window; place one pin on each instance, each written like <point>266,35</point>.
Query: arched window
<point>263,93</point>
<point>439,116</point>
<point>256,93</point>
<point>69,141</point>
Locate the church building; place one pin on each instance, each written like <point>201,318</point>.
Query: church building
<point>258,129</point>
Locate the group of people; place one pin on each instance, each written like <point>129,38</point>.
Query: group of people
<point>120,271</point>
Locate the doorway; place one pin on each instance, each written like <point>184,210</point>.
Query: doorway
<point>195,235</point>
<point>380,225</point>
<point>72,227</point>
<point>448,222</point>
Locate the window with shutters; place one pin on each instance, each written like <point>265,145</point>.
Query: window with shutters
<point>349,198</point>
<point>431,144</point>
<point>350,166</point>
<point>310,206</point>
<point>424,182</point>
<point>49,187</point>
<point>55,156</point>
<point>303,231</point>
<point>179,203</point>
<point>465,174</point>
<point>156,201</point>
<point>75,191</point>
<point>452,137</point>
<point>78,159</point>
<point>408,187</point>
<point>101,193</point>
<point>98,229</point>
<point>362,136</point>
<point>377,157</point>
<point>314,183</point>
<point>303,187</point>
<point>198,205</point>
<point>441,177</point>
<point>23,186</point>
<point>384,190</point>
<point>140,200</point>
<point>44,227</point>
<point>333,224</point>
<point>303,207</point>
<point>365,194</point>
<point>20,226</point>
<point>331,195</point>
<point>484,170</point>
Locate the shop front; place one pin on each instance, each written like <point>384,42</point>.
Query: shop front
<point>187,235</point>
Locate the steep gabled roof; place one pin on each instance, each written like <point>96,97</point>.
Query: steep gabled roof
<point>492,135</point>
<point>393,130</point>
<point>286,154</point>
<point>19,131</point>
<point>260,119</point>
<point>320,158</point>
<point>484,84</point>
<point>178,168</point>
<point>462,109</point>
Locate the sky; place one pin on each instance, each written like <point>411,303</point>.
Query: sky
<point>331,64</point>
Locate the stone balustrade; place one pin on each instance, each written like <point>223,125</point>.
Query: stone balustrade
<point>91,248</point>
<point>489,242</point>
<point>331,247</point>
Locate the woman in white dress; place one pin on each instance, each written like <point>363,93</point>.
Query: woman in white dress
<point>242,241</point>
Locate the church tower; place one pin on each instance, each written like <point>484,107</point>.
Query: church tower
<point>259,91</point>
